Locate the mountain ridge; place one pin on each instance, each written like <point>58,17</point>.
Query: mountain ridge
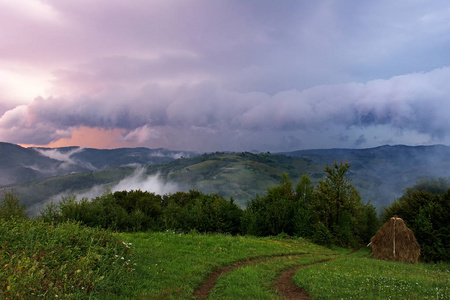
<point>380,173</point>
<point>18,163</point>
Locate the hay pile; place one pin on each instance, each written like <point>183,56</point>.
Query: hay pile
<point>395,241</point>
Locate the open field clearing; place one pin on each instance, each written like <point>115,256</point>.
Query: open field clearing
<point>71,261</point>
<point>174,266</point>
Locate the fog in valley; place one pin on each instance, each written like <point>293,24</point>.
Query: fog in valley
<point>139,180</point>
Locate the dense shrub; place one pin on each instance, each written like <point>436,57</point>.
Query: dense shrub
<point>67,260</point>
<point>272,214</point>
<point>121,211</point>
<point>337,204</point>
<point>142,211</point>
<point>322,235</point>
<point>10,207</point>
<point>201,212</point>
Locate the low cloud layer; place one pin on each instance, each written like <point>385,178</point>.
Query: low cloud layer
<point>352,114</point>
<point>66,159</point>
<point>139,180</point>
<point>224,75</point>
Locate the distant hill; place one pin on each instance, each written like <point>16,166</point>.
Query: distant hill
<point>379,174</point>
<point>19,164</point>
<point>238,175</point>
<point>382,173</point>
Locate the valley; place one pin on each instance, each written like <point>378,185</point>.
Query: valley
<point>379,174</point>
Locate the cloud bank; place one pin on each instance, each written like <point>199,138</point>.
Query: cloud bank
<point>378,111</point>
<point>224,75</point>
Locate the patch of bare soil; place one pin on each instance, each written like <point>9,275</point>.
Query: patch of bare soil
<point>286,286</point>
<point>204,289</point>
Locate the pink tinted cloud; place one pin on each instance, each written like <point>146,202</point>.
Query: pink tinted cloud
<point>92,138</point>
<point>183,74</point>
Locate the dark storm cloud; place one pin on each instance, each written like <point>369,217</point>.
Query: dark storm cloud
<point>415,102</point>
<point>226,74</point>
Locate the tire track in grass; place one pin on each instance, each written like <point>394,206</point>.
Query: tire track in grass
<point>203,290</point>
<point>286,286</point>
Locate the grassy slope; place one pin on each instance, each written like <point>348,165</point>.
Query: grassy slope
<point>76,262</point>
<point>256,281</point>
<point>366,278</point>
<point>172,266</point>
<point>69,261</point>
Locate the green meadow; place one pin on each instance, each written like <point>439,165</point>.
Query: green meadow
<point>71,261</point>
<point>139,245</point>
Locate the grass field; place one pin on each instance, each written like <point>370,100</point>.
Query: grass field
<point>71,261</point>
<point>172,265</point>
<point>367,278</point>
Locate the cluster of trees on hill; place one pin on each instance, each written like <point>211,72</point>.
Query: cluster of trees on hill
<point>329,213</point>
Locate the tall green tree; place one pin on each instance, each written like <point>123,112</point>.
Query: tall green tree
<point>273,213</point>
<point>304,218</point>
<point>338,204</point>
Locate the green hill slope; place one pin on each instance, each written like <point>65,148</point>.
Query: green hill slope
<point>18,164</point>
<point>237,175</point>
<point>379,174</point>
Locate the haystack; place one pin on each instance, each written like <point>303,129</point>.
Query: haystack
<point>395,241</point>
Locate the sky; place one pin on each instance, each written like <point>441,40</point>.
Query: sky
<point>224,75</point>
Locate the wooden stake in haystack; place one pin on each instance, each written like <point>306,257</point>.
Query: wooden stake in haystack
<point>395,241</point>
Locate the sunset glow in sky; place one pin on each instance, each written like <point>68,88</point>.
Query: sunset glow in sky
<point>224,75</point>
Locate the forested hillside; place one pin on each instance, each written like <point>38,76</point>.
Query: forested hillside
<point>379,174</point>
<point>382,173</point>
<point>18,164</point>
<point>238,175</point>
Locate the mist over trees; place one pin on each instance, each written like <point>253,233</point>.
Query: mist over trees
<point>329,213</point>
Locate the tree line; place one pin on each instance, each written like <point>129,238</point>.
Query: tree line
<point>330,212</point>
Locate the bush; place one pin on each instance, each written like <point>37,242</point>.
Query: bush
<point>10,207</point>
<point>272,214</point>
<point>121,211</point>
<point>67,260</point>
<point>322,235</point>
<point>201,212</point>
